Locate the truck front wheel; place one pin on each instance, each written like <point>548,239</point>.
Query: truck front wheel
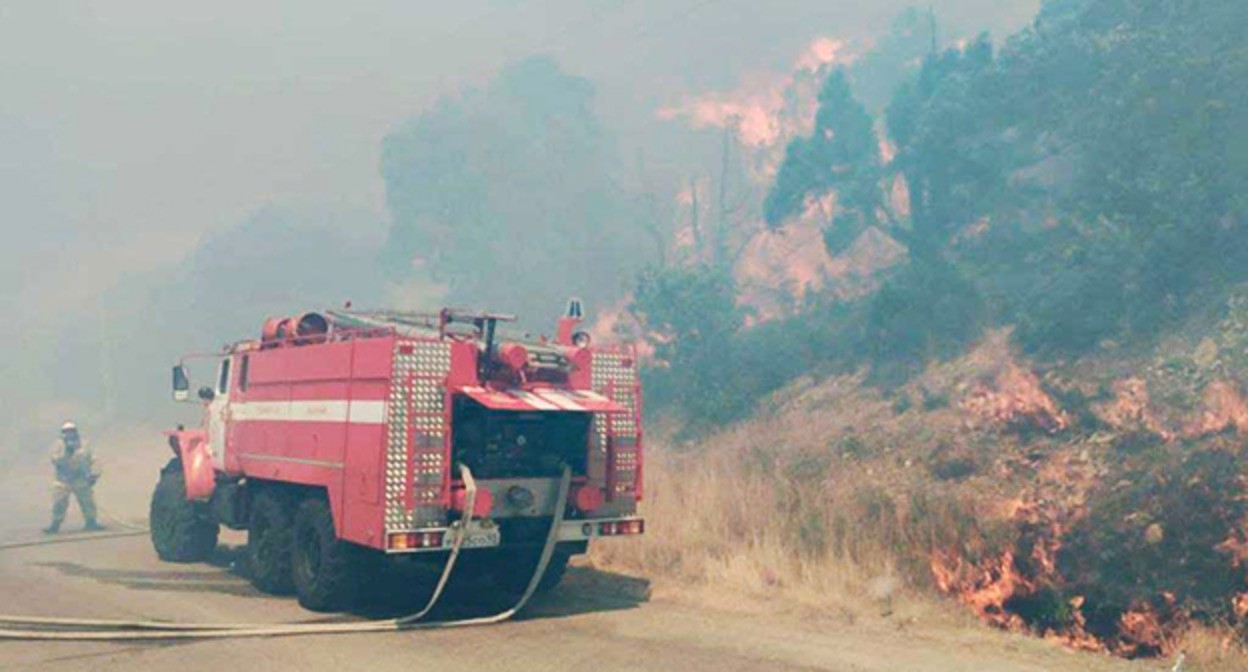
<point>325,569</point>
<point>180,532</point>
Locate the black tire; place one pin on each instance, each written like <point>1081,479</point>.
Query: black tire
<point>270,531</point>
<point>326,570</point>
<point>180,530</point>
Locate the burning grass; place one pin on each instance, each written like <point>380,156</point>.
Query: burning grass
<point>972,481</point>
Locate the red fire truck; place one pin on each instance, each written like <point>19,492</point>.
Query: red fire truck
<point>342,439</point>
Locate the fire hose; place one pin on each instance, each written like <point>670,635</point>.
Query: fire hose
<point>127,530</point>
<point>132,630</point>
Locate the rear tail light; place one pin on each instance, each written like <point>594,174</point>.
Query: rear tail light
<point>404,541</point>
<point>588,498</point>
<point>619,527</point>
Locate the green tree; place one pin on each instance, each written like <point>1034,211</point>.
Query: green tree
<point>1099,156</point>
<point>841,156</point>
<point>693,319</point>
<point>508,196</point>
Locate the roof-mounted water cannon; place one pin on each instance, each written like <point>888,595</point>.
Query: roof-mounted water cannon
<point>486,326</point>
<point>298,330</point>
<point>513,356</point>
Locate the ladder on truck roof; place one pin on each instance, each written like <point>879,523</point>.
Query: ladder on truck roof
<point>415,323</point>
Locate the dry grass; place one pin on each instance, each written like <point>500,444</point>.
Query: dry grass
<point>829,500</point>
<point>834,503</point>
<point>837,482</point>
<point>1212,650</point>
<point>727,530</point>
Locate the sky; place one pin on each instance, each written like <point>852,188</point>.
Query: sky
<point>131,129</point>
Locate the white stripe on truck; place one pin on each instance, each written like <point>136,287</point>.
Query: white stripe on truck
<point>319,410</point>
<point>560,399</point>
<point>533,400</point>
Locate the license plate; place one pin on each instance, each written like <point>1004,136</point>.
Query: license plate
<point>475,538</point>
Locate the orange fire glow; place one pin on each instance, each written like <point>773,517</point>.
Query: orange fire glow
<point>777,268</point>
<point>984,588</point>
<point>768,109</point>
<point>1013,396</point>
<point>616,324</point>
<point>1223,408</point>
<point>1132,409</point>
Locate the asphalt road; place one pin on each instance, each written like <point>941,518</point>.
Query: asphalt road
<point>595,621</point>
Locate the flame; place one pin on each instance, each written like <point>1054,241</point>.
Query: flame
<point>1223,408</point>
<point>794,255</point>
<point>1236,545</point>
<point>899,196</point>
<point>823,52</point>
<point>888,150</point>
<point>1131,408</point>
<point>1239,606</point>
<point>1013,396</point>
<point>985,588</point>
<point>1150,628</point>
<point>752,113</point>
<point>777,268</point>
<point>988,586</point>
<point>616,323</point>
<point>1042,516</point>
<point>767,109</point>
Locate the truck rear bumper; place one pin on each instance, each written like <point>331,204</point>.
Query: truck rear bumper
<point>486,534</point>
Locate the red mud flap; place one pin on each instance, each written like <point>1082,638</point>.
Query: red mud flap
<point>196,457</point>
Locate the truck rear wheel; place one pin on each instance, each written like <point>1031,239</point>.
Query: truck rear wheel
<point>269,541</point>
<point>326,570</point>
<point>180,532</point>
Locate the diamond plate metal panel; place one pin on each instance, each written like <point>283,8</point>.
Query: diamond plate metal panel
<point>418,402</point>
<point>609,376</point>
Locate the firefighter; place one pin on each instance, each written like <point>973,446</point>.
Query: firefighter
<point>76,474</point>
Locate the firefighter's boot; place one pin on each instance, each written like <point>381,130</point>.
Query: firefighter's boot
<point>93,526</point>
<point>54,528</point>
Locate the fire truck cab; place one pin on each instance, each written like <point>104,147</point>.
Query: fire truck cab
<point>341,439</point>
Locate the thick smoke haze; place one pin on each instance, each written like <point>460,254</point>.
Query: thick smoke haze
<point>170,175</point>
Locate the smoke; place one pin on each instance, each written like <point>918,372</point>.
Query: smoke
<point>511,196</point>
<point>146,154</point>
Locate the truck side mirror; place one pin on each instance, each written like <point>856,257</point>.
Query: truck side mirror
<point>206,393</point>
<point>181,385</point>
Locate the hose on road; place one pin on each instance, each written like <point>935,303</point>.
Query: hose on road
<point>72,539</point>
<point>128,630</point>
<point>126,529</point>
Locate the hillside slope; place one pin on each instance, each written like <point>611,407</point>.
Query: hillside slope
<point>1098,501</point>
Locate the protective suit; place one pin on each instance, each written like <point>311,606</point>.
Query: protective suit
<point>76,473</point>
